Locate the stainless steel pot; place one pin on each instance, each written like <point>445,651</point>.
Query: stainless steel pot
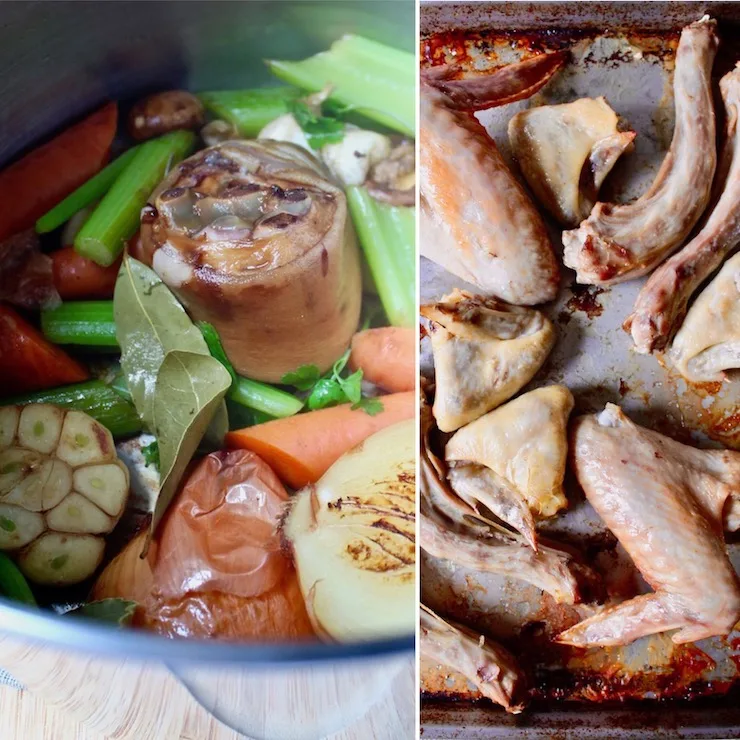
<point>60,60</point>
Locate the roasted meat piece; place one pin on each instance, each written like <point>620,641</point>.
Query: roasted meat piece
<point>708,343</point>
<point>476,220</point>
<point>662,302</point>
<point>622,242</point>
<point>452,530</point>
<point>484,352</point>
<point>512,460</point>
<point>665,503</point>
<point>491,668</point>
<point>565,153</point>
<point>254,238</point>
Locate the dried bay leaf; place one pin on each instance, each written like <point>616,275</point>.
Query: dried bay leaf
<point>189,391</point>
<point>116,611</point>
<point>150,322</point>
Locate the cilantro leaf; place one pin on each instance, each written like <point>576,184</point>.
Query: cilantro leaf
<point>341,363</point>
<point>371,406</point>
<point>320,130</point>
<point>352,386</point>
<point>151,454</point>
<point>327,392</point>
<point>304,378</point>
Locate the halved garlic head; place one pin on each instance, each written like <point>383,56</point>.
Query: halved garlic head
<point>62,489</point>
<point>353,540</point>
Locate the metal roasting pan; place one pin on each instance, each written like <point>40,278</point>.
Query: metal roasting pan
<point>650,689</point>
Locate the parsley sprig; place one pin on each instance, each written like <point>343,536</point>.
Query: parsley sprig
<point>319,129</point>
<point>333,388</point>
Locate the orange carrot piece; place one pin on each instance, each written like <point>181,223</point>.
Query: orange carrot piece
<point>387,356</point>
<point>78,278</point>
<point>301,448</point>
<point>48,174</point>
<point>28,362</point>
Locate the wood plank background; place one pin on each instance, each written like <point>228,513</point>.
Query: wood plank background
<point>119,700</point>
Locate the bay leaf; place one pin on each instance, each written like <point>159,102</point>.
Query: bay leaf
<point>150,322</point>
<point>189,391</point>
<point>117,611</point>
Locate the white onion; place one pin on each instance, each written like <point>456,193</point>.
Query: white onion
<point>353,541</point>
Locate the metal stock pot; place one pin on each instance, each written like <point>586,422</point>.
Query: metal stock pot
<point>60,60</point>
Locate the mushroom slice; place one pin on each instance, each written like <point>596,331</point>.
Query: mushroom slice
<point>57,559</point>
<point>77,514</point>
<point>525,445</point>
<point>18,526</point>
<point>8,425</point>
<point>484,352</point>
<point>566,151</point>
<point>39,427</point>
<point>105,485</point>
<point>84,440</point>
<point>490,667</point>
<point>708,342</point>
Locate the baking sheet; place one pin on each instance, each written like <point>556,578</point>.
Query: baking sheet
<point>594,358</point>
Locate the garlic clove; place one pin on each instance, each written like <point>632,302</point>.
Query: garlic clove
<point>105,485</point>
<point>40,427</point>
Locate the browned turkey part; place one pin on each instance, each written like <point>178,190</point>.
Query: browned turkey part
<point>489,666</point>
<point>254,238</point>
<point>623,242</point>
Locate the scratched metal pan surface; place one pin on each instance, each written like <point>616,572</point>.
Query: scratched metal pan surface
<point>625,52</point>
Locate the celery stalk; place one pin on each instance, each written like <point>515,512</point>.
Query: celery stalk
<point>94,189</point>
<point>86,323</point>
<point>116,217</point>
<point>250,393</point>
<point>376,80</point>
<point>250,110</point>
<point>93,397</point>
<point>387,239</point>
<point>262,397</point>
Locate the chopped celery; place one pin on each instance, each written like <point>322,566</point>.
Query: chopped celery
<point>250,110</point>
<point>116,217</point>
<point>376,80</point>
<point>94,189</point>
<point>216,348</point>
<point>86,323</point>
<point>387,237</point>
<point>94,398</point>
<point>264,398</point>
<point>120,386</point>
<point>251,393</point>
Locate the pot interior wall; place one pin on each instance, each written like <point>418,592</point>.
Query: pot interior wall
<point>61,59</point>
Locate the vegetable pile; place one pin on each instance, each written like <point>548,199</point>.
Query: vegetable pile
<point>199,309</point>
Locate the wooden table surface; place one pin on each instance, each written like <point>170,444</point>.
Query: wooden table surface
<point>123,701</point>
